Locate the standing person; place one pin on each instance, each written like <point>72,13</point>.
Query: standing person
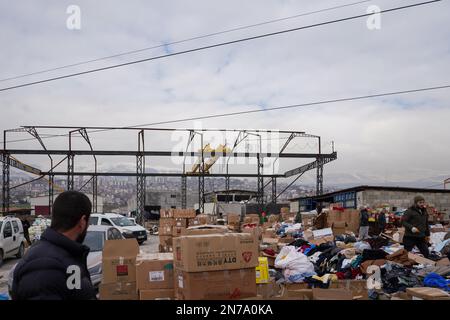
<point>26,226</point>
<point>415,221</point>
<point>364,223</point>
<point>321,220</point>
<point>382,221</point>
<point>55,267</point>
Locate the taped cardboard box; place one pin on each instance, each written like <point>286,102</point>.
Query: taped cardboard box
<point>252,219</point>
<point>256,232</point>
<point>118,291</point>
<point>210,252</point>
<point>301,294</point>
<point>270,233</point>
<point>215,285</point>
<point>157,294</point>
<point>205,229</point>
<point>184,213</point>
<point>286,240</point>
<point>321,240</point>
<point>165,230</point>
<point>166,222</point>
<point>154,271</point>
<point>203,219</point>
<point>269,290</point>
<point>119,261</point>
<point>165,213</point>
<point>425,293</point>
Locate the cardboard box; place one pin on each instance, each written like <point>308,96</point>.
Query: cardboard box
<point>286,240</point>
<point>331,294</point>
<point>322,233</point>
<point>256,232</point>
<point>166,222</point>
<point>165,230</point>
<point>165,248</point>
<point>269,290</point>
<point>273,218</point>
<point>205,229</point>
<point>209,252</point>
<point>400,296</point>
<point>321,240</point>
<point>166,240</point>
<point>308,235</point>
<point>233,218</point>
<point>154,271</point>
<point>119,261</point>
<point>178,231</point>
<point>118,291</point>
<point>302,294</point>
<point>215,285</point>
<point>425,293</point>
<point>184,213</point>
<point>157,294</point>
<point>285,210</point>
<point>357,287</point>
<point>288,216</point>
<point>420,259</point>
<point>262,270</point>
<point>181,222</point>
<point>443,262</point>
<point>165,213</point>
<point>339,227</point>
<point>269,233</point>
<point>203,219</point>
<point>252,219</point>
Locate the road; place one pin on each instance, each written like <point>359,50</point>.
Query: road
<point>149,246</point>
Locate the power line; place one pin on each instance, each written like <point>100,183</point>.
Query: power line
<point>214,46</point>
<point>183,41</point>
<point>378,95</point>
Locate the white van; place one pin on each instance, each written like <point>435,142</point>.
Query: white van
<point>12,240</point>
<point>125,226</point>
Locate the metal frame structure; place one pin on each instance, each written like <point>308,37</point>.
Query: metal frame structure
<point>140,154</point>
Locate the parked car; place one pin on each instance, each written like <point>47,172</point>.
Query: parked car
<point>125,226</point>
<point>12,240</point>
<point>95,240</point>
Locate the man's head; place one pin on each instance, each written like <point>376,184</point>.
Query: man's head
<point>71,211</point>
<point>419,201</point>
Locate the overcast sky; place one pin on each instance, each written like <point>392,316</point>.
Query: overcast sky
<point>387,140</point>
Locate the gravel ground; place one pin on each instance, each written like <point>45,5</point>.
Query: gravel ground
<point>149,246</point>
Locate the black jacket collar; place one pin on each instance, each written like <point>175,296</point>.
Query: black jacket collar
<point>60,240</point>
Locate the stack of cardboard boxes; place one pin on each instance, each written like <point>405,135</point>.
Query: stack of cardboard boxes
<point>173,223</point>
<point>154,276</point>
<point>215,264</point>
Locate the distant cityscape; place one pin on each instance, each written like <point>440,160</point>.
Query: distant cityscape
<point>118,191</point>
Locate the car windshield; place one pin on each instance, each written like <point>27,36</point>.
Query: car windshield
<point>94,240</point>
<point>122,222</point>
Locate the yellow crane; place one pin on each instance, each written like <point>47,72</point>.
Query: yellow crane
<point>209,161</point>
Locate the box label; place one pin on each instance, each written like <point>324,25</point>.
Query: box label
<point>156,276</point>
<point>122,270</point>
<point>216,258</point>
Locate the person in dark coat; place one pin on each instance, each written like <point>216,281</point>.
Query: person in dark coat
<point>364,223</point>
<point>55,267</point>
<point>382,221</point>
<point>321,220</point>
<point>26,226</point>
<point>415,221</point>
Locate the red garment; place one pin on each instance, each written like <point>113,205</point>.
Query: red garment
<point>340,275</point>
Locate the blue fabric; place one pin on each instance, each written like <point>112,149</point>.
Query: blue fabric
<point>300,277</point>
<point>436,281</point>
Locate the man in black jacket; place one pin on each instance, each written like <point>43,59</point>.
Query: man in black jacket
<point>55,267</point>
<point>415,221</point>
<point>364,223</point>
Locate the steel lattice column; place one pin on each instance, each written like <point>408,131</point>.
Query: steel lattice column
<point>183,192</point>
<point>51,192</point>
<point>94,194</point>
<point>70,171</point>
<point>319,184</point>
<point>274,190</point>
<point>260,193</point>
<point>5,186</point>
<point>140,180</point>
